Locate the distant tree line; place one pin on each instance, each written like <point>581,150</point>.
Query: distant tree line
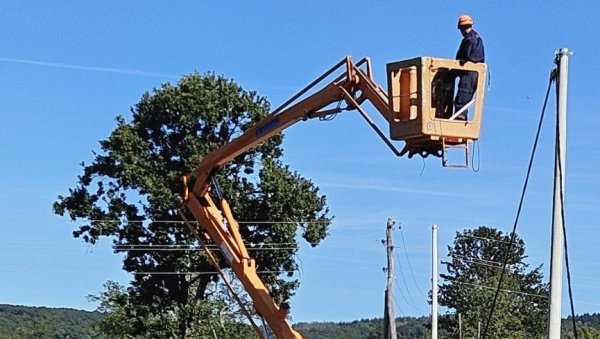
<point>22,322</point>
<point>407,327</point>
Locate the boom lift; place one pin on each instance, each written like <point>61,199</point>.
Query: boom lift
<point>418,106</point>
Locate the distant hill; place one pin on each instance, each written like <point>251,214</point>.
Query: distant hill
<point>42,322</point>
<point>407,327</point>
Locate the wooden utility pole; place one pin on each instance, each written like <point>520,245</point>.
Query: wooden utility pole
<point>389,319</point>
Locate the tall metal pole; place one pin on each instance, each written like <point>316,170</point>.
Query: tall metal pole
<point>556,260</point>
<point>434,283</point>
<point>389,322</point>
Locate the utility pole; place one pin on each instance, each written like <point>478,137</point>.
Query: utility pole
<point>556,260</point>
<point>434,283</point>
<point>389,319</point>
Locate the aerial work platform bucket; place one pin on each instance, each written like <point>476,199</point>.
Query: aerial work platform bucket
<point>421,95</point>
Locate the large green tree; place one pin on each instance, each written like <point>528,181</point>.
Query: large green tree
<point>131,191</point>
<point>473,271</point>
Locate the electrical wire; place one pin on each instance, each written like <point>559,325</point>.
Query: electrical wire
<point>474,262</point>
<point>215,263</point>
<point>494,288</point>
<point>264,324</point>
<point>476,259</point>
<point>251,244</point>
<point>482,238</point>
<point>499,266</point>
<point>398,305</point>
<point>199,273</point>
<point>198,249</point>
<point>422,167</point>
<point>408,261</point>
<point>476,142</point>
<point>196,222</point>
<point>514,229</point>
<point>410,302</point>
<point>405,283</point>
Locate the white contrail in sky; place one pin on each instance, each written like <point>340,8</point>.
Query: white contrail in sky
<point>89,68</point>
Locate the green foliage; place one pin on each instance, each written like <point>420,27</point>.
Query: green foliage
<point>419,328</point>
<point>47,323</point>
<point>473,272</point>
<point>133,186</point>
<point>406,327</point>
<point>588,326</point>
<point>207,318</point>
<point>583,332</point>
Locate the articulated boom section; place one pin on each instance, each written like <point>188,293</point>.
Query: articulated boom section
<point>227,237</point>
<point>411,115</point>
<point>218,222</point>
<point>344,87</point>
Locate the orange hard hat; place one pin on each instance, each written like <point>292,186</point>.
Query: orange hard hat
<point>465,20</point>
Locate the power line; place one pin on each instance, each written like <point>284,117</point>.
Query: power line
<point>408,260</point>
<point>196,222</point>
<point>481,261</point>
<point>494,288</point>
<point>525,184</point>
<point>250,244</point>
<point>481,238</point>
<point>60,245</point>
<point>215,263</point>
<point>402,275</point>
<point>487,265</point>
<point>151,249</point>
<point>476,258</point>
<point>410,303</point>
<point>398,305</point>
<point>200,273</point>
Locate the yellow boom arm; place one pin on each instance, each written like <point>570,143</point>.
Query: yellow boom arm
<point>211,217</point>
<point>353,86</point>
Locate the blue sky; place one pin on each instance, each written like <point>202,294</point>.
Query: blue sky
<point>69,68</point>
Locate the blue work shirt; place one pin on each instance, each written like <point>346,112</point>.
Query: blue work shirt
<point>471,48</point>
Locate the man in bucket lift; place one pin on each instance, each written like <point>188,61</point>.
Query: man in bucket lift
<point>471,49</point>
